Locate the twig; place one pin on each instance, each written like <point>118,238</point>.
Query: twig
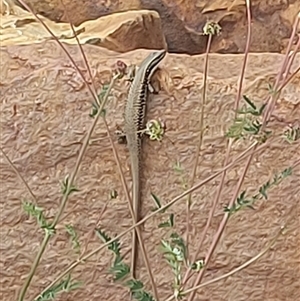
<point>270,107</point>
<point>12,165</point>
<point>172,202</point>
<point>228,150</point>
<point>285,65</point>
<point>121,173</point>
<point>66,195</point>
<point>201,131</point>
<point>140,239</point>
<point>239,268</point>
<point>223,223</point>
<point>93,93</point>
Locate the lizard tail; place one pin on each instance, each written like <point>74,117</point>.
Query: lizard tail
<point>136,208</point>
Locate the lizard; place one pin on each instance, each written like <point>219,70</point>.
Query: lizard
<point>135,111</point>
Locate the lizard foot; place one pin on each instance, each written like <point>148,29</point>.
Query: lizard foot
<point>121,136</point>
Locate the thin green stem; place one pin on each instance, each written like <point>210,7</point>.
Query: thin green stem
<point>234,271</point>
<point>172,202</point>
<point>66,195</point>
<point>228,150</point>
<point>223,223</point>
<point>34,265</point>
<point>139,235</point>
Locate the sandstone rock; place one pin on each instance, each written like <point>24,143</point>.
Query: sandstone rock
<point>125,31</point>
<point>45,110</point>
<point>183,21</point>
<point>120,32</point>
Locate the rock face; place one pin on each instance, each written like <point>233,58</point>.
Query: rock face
<point>120,32</point>
<point>45,110</point>
<point>183,21</point>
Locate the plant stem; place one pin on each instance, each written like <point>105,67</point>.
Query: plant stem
<point>139,235</point>
<point>232,272</point>
<point>221,227</point>
<point>220,188</point>
<point>34,265</point>
<point>66,195</point>
<point>201,131</point>
<point>12,165</point>
<point>173,201</point>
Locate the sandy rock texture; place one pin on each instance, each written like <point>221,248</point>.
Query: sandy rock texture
<point>45,110</point>
<point>183,21</point>
<point>121,32</point>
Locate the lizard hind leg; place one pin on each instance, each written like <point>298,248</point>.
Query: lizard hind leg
<point>121,135</point>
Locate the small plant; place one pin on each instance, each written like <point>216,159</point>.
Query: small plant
<point>174,251</point>
<point>250,123</point>
<point>121,271</point>
<point>37,213</point>
<point>66,285</point>
<point>74,238</point>
<point>247,123</point>
<point>155,129</point>
<point>292,134</point>
<point>244,201</point>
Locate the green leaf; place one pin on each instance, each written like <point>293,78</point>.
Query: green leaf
<point>198,265</point>
<point>37,212</point>
<point>94,110</point>
<point>156,200</point>
<point>270,88</point>
<point>249,102</point>
<point>263,190</point>
<point>134,285</point>
<point>171,219</point>
<point>103,236</point>
<point>113,194</point>
<point>66,285</point>
<point>262,108</point>
<point>102,92</point>
<point>165,224</point>
<point>73,189</point>
<point>120,271</point>
<point>114,246</point>
<point>287,172</point>
<point>66,190</point>
<point>74,238</point>
<point>168,223</point>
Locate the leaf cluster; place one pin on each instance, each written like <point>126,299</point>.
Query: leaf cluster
<point>66,285</point>
<point>74,238</point>
<point>292,134</point>
<point>96,105</point>
<point>37,212</point>
<point>247,123</point>
<point>121,271</point>
<point>66,188</point>
<point>243,201</point>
